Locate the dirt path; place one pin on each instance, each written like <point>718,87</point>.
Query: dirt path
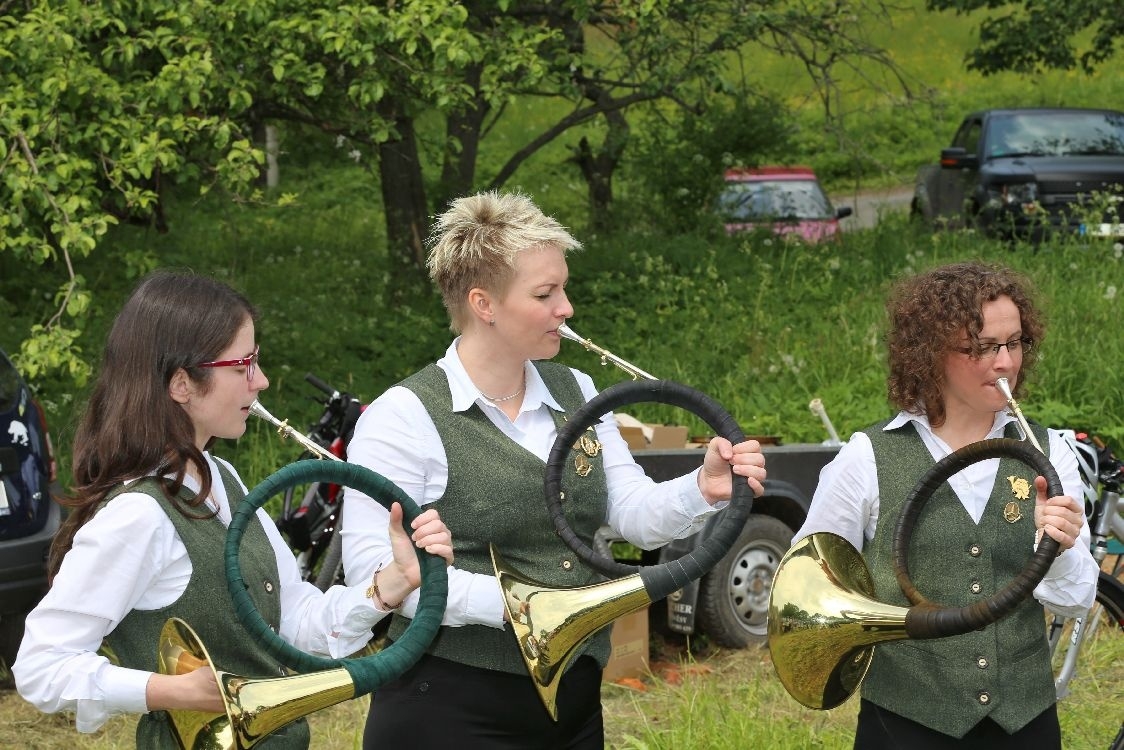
<point>869,205</point>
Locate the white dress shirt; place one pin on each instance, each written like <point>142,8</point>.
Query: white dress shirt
<point>128,556</point>
<point>846,503</point>
<point>396,438</point>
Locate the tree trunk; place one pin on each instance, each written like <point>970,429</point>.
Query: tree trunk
<point>462,145</point>
<point>597,167</point>
<point>403,195</point>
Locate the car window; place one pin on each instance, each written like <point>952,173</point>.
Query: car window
<point>968,137</point>
<point>781,199</point>
<point>1058,134</point>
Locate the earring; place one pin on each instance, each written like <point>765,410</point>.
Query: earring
<point>492,322</point>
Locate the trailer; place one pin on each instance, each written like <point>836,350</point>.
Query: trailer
<point>730,603</point>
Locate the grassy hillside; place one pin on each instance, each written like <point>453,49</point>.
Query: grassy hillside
<point>763,326</point>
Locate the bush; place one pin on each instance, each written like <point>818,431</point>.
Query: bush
<point>675,164</point>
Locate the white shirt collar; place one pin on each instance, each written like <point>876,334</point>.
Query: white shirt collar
<point>1002,419</point>
<point>465,393</point>
<point>218,501</point>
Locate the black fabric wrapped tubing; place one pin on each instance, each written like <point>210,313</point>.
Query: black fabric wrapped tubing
<point>659,580</point>
<point>926,619</point>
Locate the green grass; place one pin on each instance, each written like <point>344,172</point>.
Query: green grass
<point>695,698</point>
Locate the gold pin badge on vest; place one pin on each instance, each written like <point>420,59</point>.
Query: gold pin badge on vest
<point>1020,488</point>
<point>590,445</point>
<point>1011,512</point>
<point>582,465</point>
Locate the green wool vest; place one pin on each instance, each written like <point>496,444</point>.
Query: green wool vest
<point>495,495</point>
<point>1003,671</point>
<point>207,607</point>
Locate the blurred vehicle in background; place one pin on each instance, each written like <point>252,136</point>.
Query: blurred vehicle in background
<point>1027,172</point>
<point>787,200</point>
<point>29,514</point>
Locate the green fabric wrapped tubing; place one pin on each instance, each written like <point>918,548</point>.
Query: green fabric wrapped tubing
<point>368,672</point>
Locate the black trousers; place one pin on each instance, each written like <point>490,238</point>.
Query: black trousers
<point>879,729</point>
<point>440,704</point>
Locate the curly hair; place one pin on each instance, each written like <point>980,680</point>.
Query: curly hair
<point>475,243</point>
<point>929,312</point>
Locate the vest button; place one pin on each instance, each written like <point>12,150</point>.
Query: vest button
<point>566,565</point>
<point>981,662</point>
<point>423,687</point>
<point>984,698</point>
<point>976,587</point>
<point>268,587</point>
<point>974,550</point>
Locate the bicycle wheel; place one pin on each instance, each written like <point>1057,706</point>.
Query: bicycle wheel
<point>1093,644</point>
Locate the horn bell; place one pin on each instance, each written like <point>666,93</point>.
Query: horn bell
<point>550,623</point>
<point>824,621</point>
<point>253,707</point>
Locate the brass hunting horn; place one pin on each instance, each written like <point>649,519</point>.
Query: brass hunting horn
<point>824,620</point>
<point>1024,427</point>
<point>256,707</point>
<point>550,624</point>
<point>285,431</point>
<point>606,356</point>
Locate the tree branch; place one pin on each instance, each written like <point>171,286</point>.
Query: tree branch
<point>25,148</point>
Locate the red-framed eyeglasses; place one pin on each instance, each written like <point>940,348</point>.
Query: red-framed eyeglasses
<point>250,363</point>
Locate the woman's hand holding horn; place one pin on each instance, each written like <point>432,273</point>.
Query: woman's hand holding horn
<point>1062,517</point>
<point>403,575</point>
<point>745,459</point>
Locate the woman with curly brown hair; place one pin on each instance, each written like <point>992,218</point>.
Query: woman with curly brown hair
<point>954,330</point>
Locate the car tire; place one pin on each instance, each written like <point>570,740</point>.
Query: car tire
<point>11,633</point>
<point>734,596</point>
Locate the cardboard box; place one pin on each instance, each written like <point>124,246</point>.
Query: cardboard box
<point>667,436</point>
<point>629,643</point>
<point>641,436</point>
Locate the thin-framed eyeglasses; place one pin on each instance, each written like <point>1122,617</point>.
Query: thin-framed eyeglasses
<point>991,351</point>
<point>250,363</point>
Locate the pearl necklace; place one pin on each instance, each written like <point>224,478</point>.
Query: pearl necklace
<point>501,399</point>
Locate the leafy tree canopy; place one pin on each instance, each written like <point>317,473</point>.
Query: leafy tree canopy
<point>104,105</point>
<point>1028,36</point>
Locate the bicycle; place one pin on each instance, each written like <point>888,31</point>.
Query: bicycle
<point>310,525</point>
<point>1070,637</point>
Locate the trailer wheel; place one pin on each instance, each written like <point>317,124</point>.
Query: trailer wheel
<point>734,596</point>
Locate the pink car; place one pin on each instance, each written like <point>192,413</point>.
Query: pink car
<point>787,199</point>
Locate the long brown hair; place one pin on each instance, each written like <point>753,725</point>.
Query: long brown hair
<point>929,312</point>
<point>131,426</point>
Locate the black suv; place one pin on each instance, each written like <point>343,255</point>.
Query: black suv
<point>29,515</point>
<point>1022,172</point>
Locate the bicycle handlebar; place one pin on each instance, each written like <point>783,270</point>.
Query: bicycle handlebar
<point>318,383</point>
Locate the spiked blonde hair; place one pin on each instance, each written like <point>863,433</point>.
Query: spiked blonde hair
<point>475,244</point>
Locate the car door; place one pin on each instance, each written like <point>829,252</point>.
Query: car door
<point>957,176</point>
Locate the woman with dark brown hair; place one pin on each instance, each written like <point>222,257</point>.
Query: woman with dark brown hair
<point>954,331</point>
<point>145,536</point>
